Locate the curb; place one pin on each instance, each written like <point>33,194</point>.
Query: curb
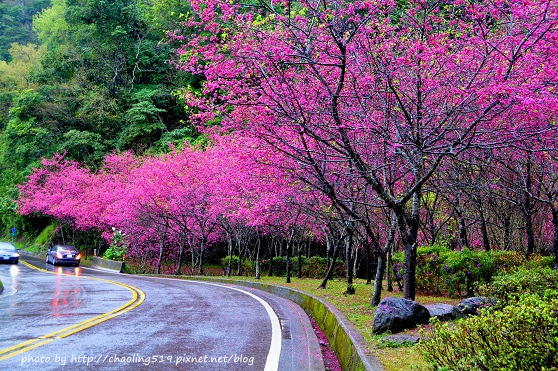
<point>113,265</point>
<point>347,343</point>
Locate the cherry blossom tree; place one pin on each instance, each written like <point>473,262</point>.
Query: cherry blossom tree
<point>376,93</point>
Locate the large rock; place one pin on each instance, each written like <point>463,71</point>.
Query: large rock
<point>470,306</point>
<point>444,312</point>
<point>395,314</point>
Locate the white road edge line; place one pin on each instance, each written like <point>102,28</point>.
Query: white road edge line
<point>272,361</point>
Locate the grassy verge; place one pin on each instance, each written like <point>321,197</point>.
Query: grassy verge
<point>358,310</point>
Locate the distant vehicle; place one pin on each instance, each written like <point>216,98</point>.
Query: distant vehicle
<point>63,254</point>
<point>8,253</point>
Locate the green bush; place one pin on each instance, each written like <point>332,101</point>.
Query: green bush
<point>117,250</point>
<point>115,253</point>
<point>248,267</point>
<point>458,272</point>
<point>316,267</point>
<point>225,263</point>
<point>522,336</point>
<point>279,265</point>
<point>313,267</point>
<point>508,288</point>
<point>536,261</point>
<point>464,270</point>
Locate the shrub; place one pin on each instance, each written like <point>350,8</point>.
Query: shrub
<point>523,336</point>
<point>537,261</point>
<point>225,263</point>
<point>508,288</point>
<point>458,272</point>
<point>316,267</point>
<point>313,267</point>
<point>505,261</point>
<point>248,267</point>
<point>463,270</point>
<point>115,253</point>
<point>117,250</point>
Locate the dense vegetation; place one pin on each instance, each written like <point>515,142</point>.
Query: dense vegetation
<point>85,79</point>
<point>519,333</point>
<point>16,17</point>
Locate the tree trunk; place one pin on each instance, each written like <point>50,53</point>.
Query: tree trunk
<point>388,276</point>
<point>330,267</point>
<point>299,267</point>
<point>348,253</point>
<point>507,232</point>
<point>160,257</point>
<point>270,246</point>
<point>239,245</point>
<point>555,239</point>
<point>180,257</point>
<point>408,230</point>
<point>289,253</point>
<point>463,239</point>
<point>368,265</point>
<point>530,232</point>
<point>230,246</point>
<point>62,233</point>
<point>484,231</point>
<point>355,260</point>
<point>528,210</point>
<point>328,249</point>
<point>258,243</point>
<point>381,265</point>
<point>200,269</point>
<point>377,295</point>
<point>409,287</point>
<point>288,262</point>
<point>193,257</point>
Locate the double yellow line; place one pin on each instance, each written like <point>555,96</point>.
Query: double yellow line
<point>137,299</point>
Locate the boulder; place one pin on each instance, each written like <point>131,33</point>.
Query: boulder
<point>470,306</point>
<point>396,314</point>
<point>444,312</point>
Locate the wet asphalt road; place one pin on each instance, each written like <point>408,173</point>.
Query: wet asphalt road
<point>74,318</point>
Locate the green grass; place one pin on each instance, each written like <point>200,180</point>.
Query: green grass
<point>86,262</point>
<point>358,310</point>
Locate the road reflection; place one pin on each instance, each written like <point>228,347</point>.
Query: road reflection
<point>66,293</point>
<point>64,271</point>
<point>14,271</point>
<point>14,282</point>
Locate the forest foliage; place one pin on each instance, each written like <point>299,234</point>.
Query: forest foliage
<point>85,79</point>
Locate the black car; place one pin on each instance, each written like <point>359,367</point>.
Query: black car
<point>63,254</point>
<point>8,253</point>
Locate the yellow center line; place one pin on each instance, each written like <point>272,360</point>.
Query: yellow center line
<point>138,296</point>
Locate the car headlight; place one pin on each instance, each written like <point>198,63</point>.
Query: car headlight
<point>15,255</point>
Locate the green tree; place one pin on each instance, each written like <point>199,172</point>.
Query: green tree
<point>102,80</point>
<point>15,23</point>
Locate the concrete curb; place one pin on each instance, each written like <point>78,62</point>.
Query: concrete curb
<point>347,343</point>
<point>112,265</point>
